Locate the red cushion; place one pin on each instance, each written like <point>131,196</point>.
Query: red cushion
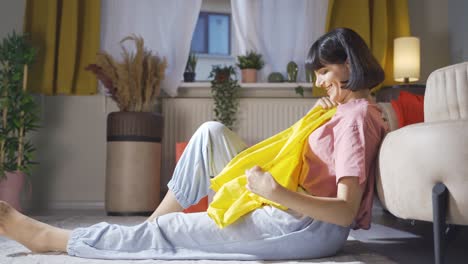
<point>409,108</point>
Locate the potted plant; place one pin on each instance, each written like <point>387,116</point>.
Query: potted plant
<point>225,93</point>
<point>19,117</point>
<point>134,133</point>
<point>292,70</point>
<point>189,74</point>
<point>249,65</point>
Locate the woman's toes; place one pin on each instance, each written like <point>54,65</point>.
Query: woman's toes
<point>5,210</point>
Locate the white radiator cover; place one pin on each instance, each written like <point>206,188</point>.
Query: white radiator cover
<point>257,119</point>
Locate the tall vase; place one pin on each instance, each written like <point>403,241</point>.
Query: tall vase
<point>10,188</point>
<point>133,162</point>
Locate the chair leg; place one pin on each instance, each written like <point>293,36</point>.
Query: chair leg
<point>439,207</point>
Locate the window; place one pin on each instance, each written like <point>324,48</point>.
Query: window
<point>212,34</point>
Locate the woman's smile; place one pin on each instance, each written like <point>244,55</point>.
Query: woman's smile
<point>330,78</point>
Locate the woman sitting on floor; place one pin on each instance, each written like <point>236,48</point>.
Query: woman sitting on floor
<point>337,196</point>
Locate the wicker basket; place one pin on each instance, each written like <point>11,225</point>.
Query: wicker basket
<point>133,162</point>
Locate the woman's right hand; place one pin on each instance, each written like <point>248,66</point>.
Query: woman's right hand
<point>325,103</point>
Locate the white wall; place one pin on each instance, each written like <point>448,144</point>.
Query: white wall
<point>71,151</point>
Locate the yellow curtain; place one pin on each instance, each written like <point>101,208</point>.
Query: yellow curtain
<point>378,22</point>
<point>66,34</point>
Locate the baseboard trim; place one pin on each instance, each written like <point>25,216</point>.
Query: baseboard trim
<point>73,205</point>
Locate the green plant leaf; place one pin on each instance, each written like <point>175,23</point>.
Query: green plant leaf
<point>21,109</point>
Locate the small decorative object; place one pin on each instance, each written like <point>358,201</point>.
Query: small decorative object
<point>189,74</point>
<point>292,71</point>
<point>275,77</point>
<point>134,133</point>
<point>249,65</point>
<point>19,117</point>
<point>309,75</point>
<point>225,93</point>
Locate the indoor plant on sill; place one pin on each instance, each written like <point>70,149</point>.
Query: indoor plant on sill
<point>189,74</point>
<point>225,93</point>
<point>249,65</point>
<point>19,117</point>
<point>134,133</point>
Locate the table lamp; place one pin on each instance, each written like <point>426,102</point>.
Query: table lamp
<point>406,59</point>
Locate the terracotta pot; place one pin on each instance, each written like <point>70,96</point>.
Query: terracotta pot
<point>10,188</point>
<point>249,75</point>
<point>133,162</point>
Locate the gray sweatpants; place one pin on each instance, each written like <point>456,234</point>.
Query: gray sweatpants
<point>264,234</point>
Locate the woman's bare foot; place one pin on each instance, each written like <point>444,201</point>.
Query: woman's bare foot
<point>4,211</point>
<point>36,236</point>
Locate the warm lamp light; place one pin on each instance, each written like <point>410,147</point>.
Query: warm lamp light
<point>406,59</point>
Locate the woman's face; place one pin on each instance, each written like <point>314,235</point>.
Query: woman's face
<point>331,77</point>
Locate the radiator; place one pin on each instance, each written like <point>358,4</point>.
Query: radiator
<point>257,119</point>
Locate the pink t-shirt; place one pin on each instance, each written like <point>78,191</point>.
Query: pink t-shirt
<point>347,145</point>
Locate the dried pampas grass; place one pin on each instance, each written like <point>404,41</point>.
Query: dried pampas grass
<point>134,84</point>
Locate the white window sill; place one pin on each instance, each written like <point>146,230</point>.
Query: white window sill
<point>283,85</point>
<point>263,90</point>
<point>214,56</point>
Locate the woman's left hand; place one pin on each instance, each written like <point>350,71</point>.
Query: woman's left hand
<point>261,183</point>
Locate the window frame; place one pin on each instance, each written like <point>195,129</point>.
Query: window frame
<point>206,30</point>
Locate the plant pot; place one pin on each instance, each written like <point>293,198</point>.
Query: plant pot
<point>133,162</point>
<point>249,75</point>
<point>10,188</point>
<point>189,76</point>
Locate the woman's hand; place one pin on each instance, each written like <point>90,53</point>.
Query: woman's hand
<point>261,183</point>
<point>325,102</point>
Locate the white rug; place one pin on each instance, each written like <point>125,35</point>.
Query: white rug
<point>14,253</point>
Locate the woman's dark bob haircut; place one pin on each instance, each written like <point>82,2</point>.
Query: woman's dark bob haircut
<point>339,45</point>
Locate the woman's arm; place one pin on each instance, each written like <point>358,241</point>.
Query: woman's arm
<point>340,210</point>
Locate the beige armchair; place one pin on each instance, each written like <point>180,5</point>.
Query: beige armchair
<point>424,167</point>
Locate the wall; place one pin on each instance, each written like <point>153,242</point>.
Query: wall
<point>429,22</point>
<point>71,151</point>
<point>458,32</point>
<point>11,14</point>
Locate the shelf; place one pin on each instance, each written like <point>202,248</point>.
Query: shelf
<point>254,90</point>
<point>249,85</point>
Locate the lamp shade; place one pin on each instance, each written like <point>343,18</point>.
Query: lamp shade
<point>406,59</point>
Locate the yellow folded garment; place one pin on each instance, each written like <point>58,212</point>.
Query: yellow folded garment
<point>282,155</point>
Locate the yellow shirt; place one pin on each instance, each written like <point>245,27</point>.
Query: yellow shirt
<point>282,155</point>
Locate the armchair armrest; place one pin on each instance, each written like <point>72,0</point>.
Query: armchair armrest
<point>416,157</point>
